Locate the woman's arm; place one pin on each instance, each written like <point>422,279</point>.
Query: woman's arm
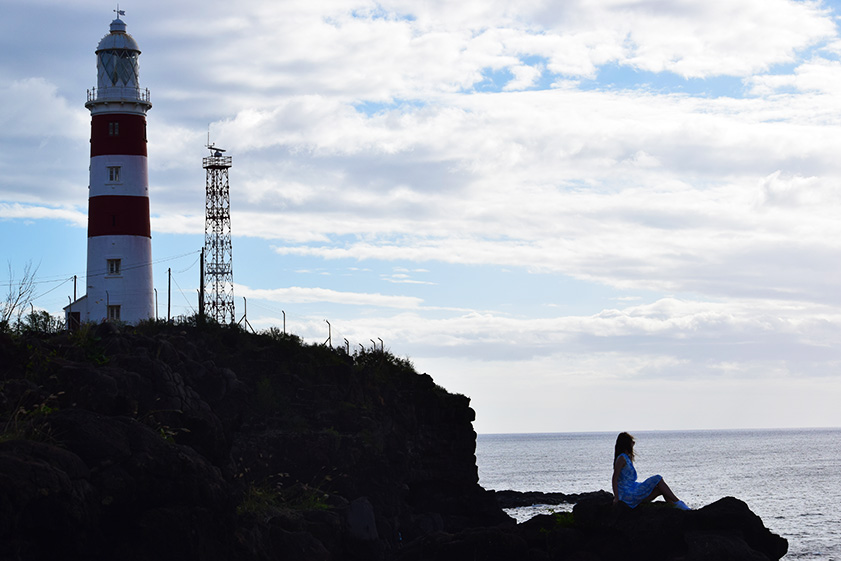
<point>617,469</point>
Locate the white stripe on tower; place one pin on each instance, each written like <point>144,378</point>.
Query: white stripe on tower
<point>119,275</point>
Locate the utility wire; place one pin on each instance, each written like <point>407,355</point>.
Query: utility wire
<point>65,281</point>
<point>148,264</point>
<point>181,290</point>
<point>193,264</point>
<point>63,278</point>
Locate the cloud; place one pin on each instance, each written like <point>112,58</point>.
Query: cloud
<point>725,240</point>
<point>560,393</point>
<point>40,131</point>
<point>524,77</point>
<point>305,295</point>
<point>32,108</point>
<point>818,75</point>
<point>404,276</point>
<point>698,231</point>
<point>663,339</point>
<point>18,211</point>
<point>406,51</point>
<point>689,39</point>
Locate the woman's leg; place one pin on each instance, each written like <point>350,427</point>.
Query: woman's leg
<point>667,492</point>
<point>662,489</point>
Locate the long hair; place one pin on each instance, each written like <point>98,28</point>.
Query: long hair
<point>624,445</point>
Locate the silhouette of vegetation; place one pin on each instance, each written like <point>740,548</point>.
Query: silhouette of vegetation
<point>13,316</point>
<point>29,420</point>
<point>18,296</point>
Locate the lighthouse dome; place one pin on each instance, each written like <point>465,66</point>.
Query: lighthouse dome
<point>118,38</point>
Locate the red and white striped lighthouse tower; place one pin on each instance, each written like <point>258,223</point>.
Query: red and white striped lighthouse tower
<point>119,271</point>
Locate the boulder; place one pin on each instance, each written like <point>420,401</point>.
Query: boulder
<point>48,508</point>
<point>725,529</point>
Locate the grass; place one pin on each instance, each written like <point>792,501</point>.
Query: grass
<point>263,498</point>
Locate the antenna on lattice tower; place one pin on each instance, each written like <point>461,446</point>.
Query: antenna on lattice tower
<point>218,299</point>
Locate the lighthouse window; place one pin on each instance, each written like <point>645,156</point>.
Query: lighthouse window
<point>113,129</point>
<point>118,67</point>
<point>114,313</point>
<point>114,266</point>
<point>114,174</point>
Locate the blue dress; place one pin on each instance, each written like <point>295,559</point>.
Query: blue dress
<point>631,491</point>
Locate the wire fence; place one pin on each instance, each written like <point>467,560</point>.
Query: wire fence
<point>183,303</point>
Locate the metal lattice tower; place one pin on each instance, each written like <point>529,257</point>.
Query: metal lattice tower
<point>218,253</point>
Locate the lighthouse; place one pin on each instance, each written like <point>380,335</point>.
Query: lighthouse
<point>119,268</point>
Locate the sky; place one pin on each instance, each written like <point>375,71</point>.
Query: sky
<point>584,215</point>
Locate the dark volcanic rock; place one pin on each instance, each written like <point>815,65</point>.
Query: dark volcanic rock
<point>514,499</point>
<point>597,531</point>
<point>730,516</point>
<point>44,487</point>
<point>173,442</point>
<point>726,529</point>
<point>163,442</point>
<point>110,487</point>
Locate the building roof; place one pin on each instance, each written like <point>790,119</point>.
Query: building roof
<point>118,38</point>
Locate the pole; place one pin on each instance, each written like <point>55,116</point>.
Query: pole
<point>74,288</point>
<point>169,295</point>
<point>245,315</point>
<point>284,321</point>
<point>201,287</point>
<point>156,303</point>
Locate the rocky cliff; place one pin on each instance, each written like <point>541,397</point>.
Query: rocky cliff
<point>173,442</point>
<point>177,442</point>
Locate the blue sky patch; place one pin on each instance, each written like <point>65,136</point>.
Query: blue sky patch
<point>622,77</point>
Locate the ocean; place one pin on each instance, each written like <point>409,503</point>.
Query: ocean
<point>791,478</point>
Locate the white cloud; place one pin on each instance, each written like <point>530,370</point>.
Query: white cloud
<point>374,131</point>
<point>397,51</point>
<point>559,394</point>
<point>304,295</point>
<point>690,38</point>
<point>524,77</point>
<point>32,108</point>
<point>667,336</point>
<point>41,133</point>
<point>817,75</point>
<point>18,211</point>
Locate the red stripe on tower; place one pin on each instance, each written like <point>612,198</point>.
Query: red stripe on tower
<point>116,133</point>
<point>110,215</point>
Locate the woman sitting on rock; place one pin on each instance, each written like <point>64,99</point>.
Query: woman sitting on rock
<point>626,488</point>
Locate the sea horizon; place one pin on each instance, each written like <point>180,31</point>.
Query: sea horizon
<point>644,431</point>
